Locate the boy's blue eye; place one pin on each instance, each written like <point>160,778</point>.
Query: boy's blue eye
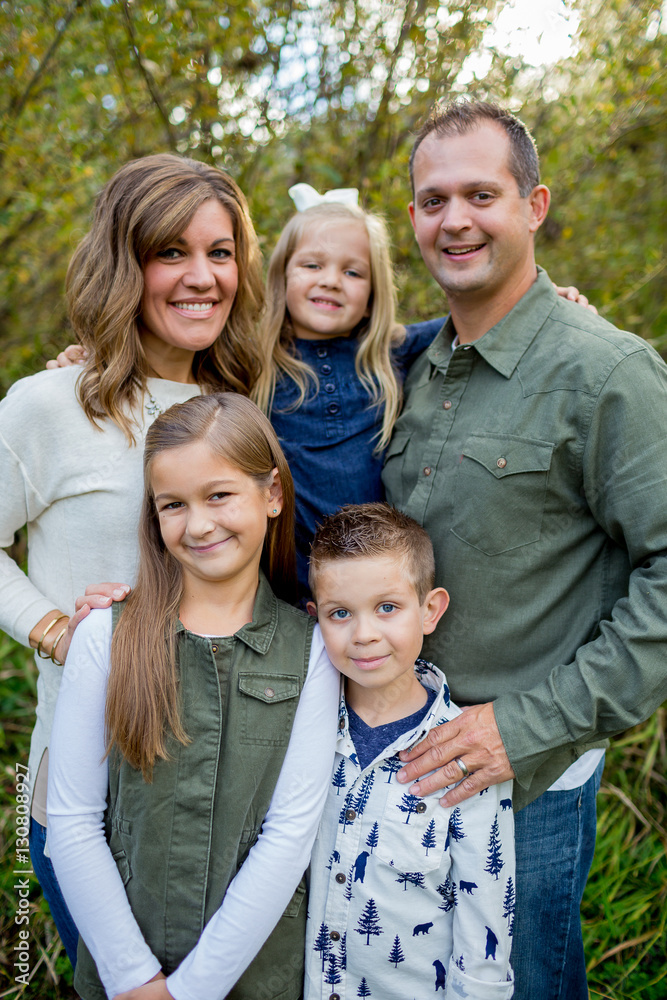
<point>387,608</point>
<point>339,614</point>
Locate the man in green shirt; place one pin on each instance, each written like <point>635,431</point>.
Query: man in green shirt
<point>533,448</point>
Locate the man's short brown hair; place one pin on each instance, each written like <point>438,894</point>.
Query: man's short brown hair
<point>462,116</point>
<point>374,529</point>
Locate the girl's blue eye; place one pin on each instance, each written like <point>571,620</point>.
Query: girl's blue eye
<point>340,614</point>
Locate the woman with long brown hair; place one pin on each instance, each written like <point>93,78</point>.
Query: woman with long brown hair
<point>164,293</point>
<point>194,732</point>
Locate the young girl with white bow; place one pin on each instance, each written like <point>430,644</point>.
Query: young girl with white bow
<point>337,355</point>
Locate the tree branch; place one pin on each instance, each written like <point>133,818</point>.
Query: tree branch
<point>148,79</point>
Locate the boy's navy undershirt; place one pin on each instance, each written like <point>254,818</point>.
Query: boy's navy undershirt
<point>370,741</point>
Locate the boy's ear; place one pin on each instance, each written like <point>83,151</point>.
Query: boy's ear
<point>311,607</point>
<point>434,607</point>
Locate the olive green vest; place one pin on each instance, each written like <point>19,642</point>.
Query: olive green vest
<point>179,841</point>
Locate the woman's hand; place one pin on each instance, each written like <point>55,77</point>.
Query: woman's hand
<point>574,295</point>
<point>154,989</point>
<point>74,354</point>
<point>98,595</point>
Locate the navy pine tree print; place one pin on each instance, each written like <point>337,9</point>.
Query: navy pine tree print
<point>509,902</point>
<point>408,804</point>
<point>428,840</point>
<point>411,878</point>
<point>338,779</point>
<point>494,861</point>
<point>396,954</point>
<point>364,989</point>
<point>342,959</point>
<point>391,766</point>
<point>364,792</point>
<point>348,894</point>
<point>332,975</point>
<point>447,890</point>
<point>373,837</point>
<point>459,963</point>
<point>456,825</point>
<point>369,922</point>
<point>323,944</point>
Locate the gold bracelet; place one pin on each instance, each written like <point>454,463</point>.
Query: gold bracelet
<point>47,656</point>
<point>58,663</point>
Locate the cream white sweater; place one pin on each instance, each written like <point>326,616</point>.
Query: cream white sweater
<point>79,490</point>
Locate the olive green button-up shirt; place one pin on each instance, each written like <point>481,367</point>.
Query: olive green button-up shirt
<point>536,458</point>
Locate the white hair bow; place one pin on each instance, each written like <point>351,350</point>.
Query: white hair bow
<point>304,196</point>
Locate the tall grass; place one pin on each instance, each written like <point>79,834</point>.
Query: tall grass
<point>625,907</point>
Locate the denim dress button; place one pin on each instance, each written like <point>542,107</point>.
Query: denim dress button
<point>322,352</point>
<point>326,369</point>
<point>330,387</point>
<point>333,408</point>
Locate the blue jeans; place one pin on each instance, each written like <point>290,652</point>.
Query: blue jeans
<point>555,841</point>
<point>43,869</point>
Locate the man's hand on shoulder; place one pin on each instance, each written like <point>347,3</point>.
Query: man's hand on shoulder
<point>474,739</point>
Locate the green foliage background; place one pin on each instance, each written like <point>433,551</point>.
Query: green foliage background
<point>329,93</point>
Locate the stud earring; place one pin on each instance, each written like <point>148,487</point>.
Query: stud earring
<point>275,510</point>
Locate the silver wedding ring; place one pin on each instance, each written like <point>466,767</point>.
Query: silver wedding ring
<point>464,770</point>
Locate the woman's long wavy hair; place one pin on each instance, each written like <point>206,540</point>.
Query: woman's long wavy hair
<point>377,334</point>
<point>142,697</point>
<point>145,206</point>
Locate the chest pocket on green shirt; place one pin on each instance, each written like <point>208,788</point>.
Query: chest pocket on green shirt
<point>499,492</point>
<point>269,707</point>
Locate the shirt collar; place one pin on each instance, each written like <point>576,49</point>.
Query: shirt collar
<point>504,344</point>
<point>258,633</point>
<point>429,676</point>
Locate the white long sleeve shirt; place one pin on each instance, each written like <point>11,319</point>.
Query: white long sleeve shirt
<point>79,491</point>
<point>87,873</point>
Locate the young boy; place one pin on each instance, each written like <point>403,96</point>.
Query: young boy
<point>407,898</point>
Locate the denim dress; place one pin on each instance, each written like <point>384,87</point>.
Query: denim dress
<point>329,440</point>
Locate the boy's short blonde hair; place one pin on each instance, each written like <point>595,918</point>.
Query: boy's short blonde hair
<point>374,529</point>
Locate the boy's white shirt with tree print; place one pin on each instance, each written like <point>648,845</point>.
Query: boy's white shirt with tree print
<point>407,898</point>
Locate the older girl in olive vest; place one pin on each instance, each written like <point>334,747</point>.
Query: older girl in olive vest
<point>199,760</point>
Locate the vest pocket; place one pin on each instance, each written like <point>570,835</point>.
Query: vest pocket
<point>123,866</point>
<point>268,708</point>
<point>499,492</point>
<point>394,463</point>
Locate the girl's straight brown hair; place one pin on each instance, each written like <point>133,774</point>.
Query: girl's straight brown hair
<point>145,206</point>
<point>142,695</point>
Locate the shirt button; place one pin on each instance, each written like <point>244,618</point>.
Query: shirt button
<point>330,387</point>
<point>427,471</point>
<point>333,408</point>
<point>341,878</point>
<point>326,369</point>
<point>214,648</point>
<point>321,352</point>
<point>350,814</point>
<point>341,723</point>
<point>335,936</point>
<point>447,405</point>
<point>269,692</point>
<point>420,807</point>
<point>501,463</point>
<point>334,996</point>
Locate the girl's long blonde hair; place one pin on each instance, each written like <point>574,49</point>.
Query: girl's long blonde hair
<point>145,206</point>
<point>377,335</point>
<point>142,695</point>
